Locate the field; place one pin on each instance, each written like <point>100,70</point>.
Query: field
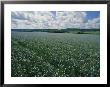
<point>41,54</point>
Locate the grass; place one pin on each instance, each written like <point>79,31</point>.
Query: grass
<point>43,54</point>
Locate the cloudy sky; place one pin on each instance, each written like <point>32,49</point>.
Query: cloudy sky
<point>55,19</point>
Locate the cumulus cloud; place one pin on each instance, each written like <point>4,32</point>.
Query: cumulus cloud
<point>52,20</point>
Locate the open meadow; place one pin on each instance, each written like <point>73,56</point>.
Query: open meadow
<point>42,54</point>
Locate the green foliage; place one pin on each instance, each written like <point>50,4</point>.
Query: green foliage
<point>80,32</point>
<point>58,31</point>
<point>36,54</point>
<point>68,30</point>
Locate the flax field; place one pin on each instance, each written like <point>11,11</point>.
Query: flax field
<point>41,54</point>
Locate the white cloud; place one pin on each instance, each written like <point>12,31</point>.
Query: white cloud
<point>94,23</point>
<point>46,19</point>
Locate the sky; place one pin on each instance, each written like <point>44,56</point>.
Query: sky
<point>55,19</point>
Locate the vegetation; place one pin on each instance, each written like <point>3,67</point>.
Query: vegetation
<point>68,30</point>
<point>41,54</point>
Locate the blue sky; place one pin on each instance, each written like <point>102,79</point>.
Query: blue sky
<point>55,19</point>
<point>92,14</point>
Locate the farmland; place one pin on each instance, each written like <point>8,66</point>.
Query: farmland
<point>42,54</point>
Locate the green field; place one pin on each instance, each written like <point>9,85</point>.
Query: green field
<point>41,54</point>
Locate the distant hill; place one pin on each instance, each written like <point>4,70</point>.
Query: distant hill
<point>68,30</point>
<point>33,30</point>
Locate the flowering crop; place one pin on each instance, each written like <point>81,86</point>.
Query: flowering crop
<point>35,54</point>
